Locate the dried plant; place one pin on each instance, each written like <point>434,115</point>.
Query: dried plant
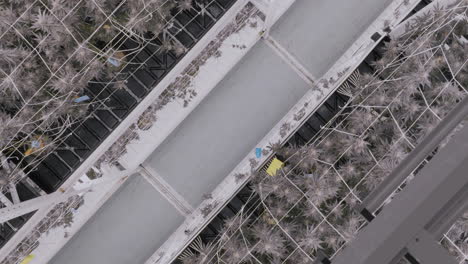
<point>50,52</point>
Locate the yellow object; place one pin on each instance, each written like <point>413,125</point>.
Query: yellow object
<point>28,152</point>
<point>275,165</point>
<point>119,55</point>
<point>27,259</point>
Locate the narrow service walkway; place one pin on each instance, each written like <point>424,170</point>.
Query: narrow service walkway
<point>318,32</point>
<point>128,228</point>
<point>215,137</point>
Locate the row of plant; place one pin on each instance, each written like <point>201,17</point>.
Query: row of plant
<point>307,210</point>
<point>52,49</point>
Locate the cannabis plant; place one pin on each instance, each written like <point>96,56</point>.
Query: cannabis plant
<point>50,51</point>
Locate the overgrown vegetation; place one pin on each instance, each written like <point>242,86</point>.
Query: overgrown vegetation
<point>50,50</point>
<point>307,209</point>
<point>456,239</point>
<point>60,215</point>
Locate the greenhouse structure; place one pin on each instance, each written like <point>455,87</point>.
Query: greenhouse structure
<point>234,131</point>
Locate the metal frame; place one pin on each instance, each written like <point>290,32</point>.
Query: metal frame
<point>16,209</point>
<point>374,200</point>
<point>166,190</point>
<point>417,216</point>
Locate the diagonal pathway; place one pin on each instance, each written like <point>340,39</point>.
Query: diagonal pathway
<point>318,32</point>
<point>212,140</point>
<point>117,233</point>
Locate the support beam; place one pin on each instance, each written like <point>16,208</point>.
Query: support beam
<point>408,165</point>
<point>14,210</point>
<point>4,200</point>
<point>431,193</point>
<point>166,190</point>
<point>4,162</point>
<point>32,185</point>
<point>14,193</point>
<point>426,250</point>
<point>19,209</point>
<point>291,61</point>
<point>10,168</point>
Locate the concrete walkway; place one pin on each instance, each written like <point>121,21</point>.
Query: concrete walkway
<point>318,32</point>
<point>212,140</point>
<point>128,228</point>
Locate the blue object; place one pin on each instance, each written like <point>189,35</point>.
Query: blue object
<point>114,62</point>
<point>258,152</point>
<point>35,144</point>
<point>81,99</point>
